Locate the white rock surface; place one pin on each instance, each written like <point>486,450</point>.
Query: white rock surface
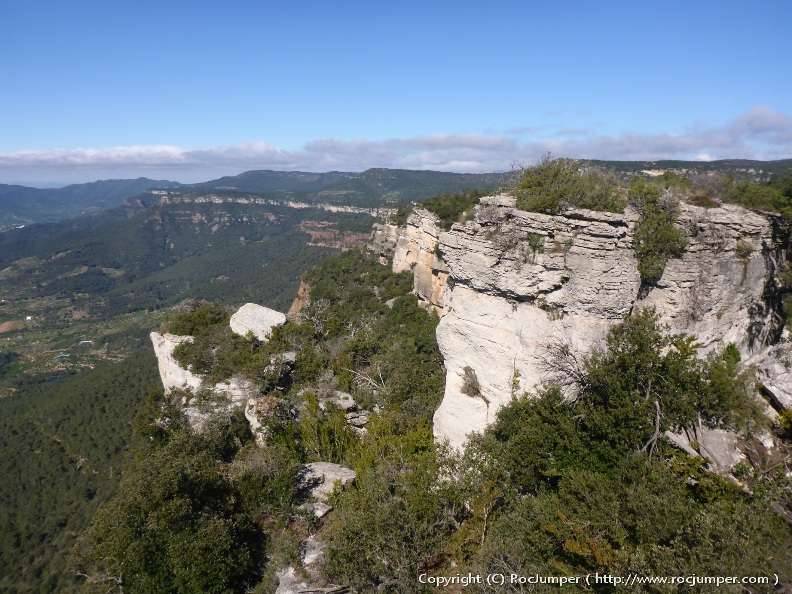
<point>310,580</point>
<point>256,319</point>
<point>321,479</point>
<point>173,376</point>
<point>341,400</point>
<point>508,302</point>
<point>719,446</point>
<point>236,391</point>
<point>383,241</point>
<point>773,367</point>
<point>711,292</point>
<point>509,283</point>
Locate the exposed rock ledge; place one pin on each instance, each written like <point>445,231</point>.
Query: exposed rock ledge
<point>509,283</point>
<point>237,391</point>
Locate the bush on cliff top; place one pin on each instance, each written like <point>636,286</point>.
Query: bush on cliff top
<point>452,208</point>
<point>555,184</point>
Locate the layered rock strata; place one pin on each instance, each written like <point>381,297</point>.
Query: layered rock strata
<point>514,287</point>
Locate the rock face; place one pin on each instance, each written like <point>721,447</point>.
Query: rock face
<point>716,290</point>
<point>234,393</point>
<point>382,241</point>
<point>521,282</point>
<point>175,377</point>
<point>416,251</point>
<point>257,319</point>
<point>321,479</point>
<point>720,447</point>
<point>511,285</point>
<point>773,367</point>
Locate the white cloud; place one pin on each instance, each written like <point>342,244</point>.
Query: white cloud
<point>760,133</point>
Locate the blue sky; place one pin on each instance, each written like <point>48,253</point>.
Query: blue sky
<point>187,90</point>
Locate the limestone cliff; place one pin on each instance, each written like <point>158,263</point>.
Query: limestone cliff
<point>415,250</point>
<point>512,285</point>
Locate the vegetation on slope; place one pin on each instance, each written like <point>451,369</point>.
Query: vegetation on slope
<point>555,486</point>
<point>776,195</point>
<point>234,503</point>
<point>570,487</point>
<point>61,450</point>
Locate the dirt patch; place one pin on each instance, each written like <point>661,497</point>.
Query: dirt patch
<point>11,326</point>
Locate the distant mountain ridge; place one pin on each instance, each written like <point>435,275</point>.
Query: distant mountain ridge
<point>370,188</point>
<point>376,187</point>
<point>22,205</point>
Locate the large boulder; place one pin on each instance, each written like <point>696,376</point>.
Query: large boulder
<point>256,319</point>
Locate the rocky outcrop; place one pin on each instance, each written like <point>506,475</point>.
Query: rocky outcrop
<point>201,401</point>
<point>223,396</point>
<point>416,251</point>
<point>514,286</point>
<point>716,290</point>
<point>260,409</point>
<point>382,242</point>
<point>520,283</point>
<point>309,580</point>
<point>720,447</point>
<point>167,197</point>
<point>300,300</point>
<point>773,367</point>
<point>257,320</point>
<point>320,479</point>
<point>173,375</point>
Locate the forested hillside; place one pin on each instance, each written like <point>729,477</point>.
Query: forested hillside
<point>62,448</point>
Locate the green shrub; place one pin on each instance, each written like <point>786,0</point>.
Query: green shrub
<point>743,249</point>
<point>397,517</point>
<point>775,195</point>
<point>656,239</point>
<point>176,524</point>
<point>325,435</point>
<point>451,208</point>
<point>556,184</point>
<point>196,320</point>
